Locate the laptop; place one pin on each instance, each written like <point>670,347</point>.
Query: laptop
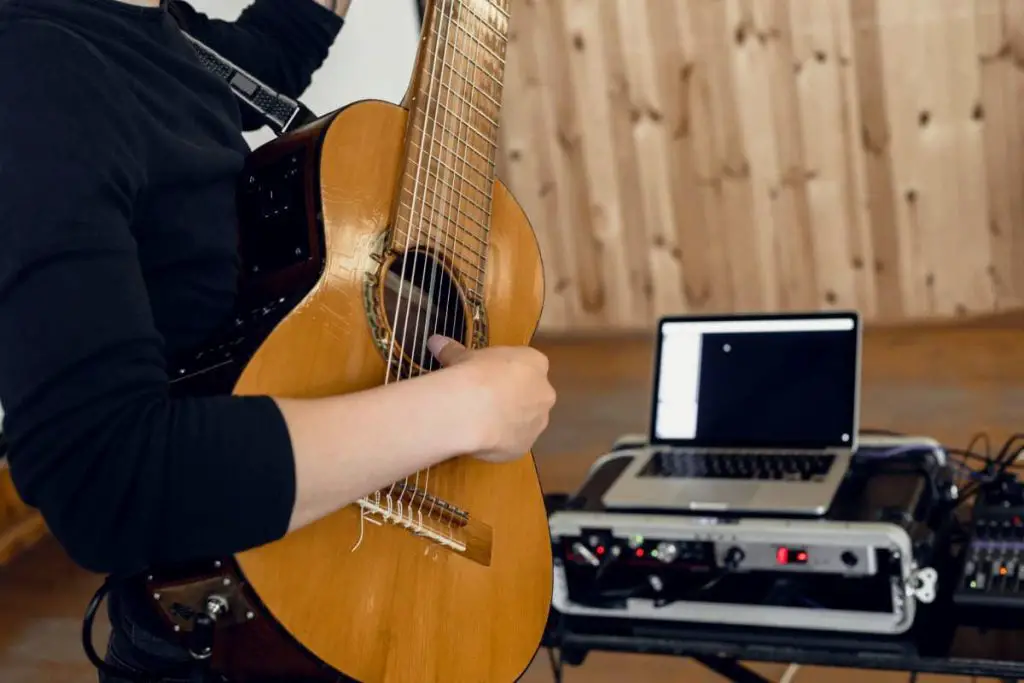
<point>750,413</point>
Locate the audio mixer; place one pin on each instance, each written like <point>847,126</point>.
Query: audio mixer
<point>993,561</point>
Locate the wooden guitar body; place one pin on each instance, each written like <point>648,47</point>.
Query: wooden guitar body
<point>402,606</point>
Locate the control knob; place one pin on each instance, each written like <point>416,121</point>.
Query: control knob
<point>587,556</point>
<point>733,557</point>
<point>667,552</point>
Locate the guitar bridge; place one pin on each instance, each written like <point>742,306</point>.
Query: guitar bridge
<point>427,516</point>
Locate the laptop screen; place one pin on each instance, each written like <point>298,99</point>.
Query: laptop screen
<point>779,381</point>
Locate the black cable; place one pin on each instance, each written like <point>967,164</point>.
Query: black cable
<point>90,651</point>
<point>1007,455</point>
<point>983,437</point>
<point>995,467</point>
<point>557,668</point>
<point>969,453</point>
<point>966,455</point>
<point>557,662</point>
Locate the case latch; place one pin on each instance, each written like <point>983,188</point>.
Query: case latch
<point>922,584</point>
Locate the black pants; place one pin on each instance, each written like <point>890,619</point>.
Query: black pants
<point>136,645</point>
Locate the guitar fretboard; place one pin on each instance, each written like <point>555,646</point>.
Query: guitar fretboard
<point>446,189</point>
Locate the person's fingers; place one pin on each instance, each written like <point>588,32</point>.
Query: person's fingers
<point>446,350</point>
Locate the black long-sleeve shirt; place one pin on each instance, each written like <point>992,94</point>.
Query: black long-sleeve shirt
<point>118,158</point>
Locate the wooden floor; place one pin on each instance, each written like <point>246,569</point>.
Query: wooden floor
<point>948,381</point>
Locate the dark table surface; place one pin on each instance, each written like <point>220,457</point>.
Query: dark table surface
<point>937,644</point>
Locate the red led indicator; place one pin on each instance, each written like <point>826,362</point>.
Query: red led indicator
<point>639,552</point>
<point>600,550</point>
<point>790,556</point>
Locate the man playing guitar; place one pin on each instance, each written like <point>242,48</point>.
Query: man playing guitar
<point>117,216</point>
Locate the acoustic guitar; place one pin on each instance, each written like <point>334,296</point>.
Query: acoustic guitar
<point>361,235</point>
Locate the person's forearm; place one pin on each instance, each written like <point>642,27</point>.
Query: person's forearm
<point>348,446</point>
<point>339,7</point>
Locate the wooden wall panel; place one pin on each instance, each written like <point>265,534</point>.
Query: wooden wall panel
<point>724,155</point>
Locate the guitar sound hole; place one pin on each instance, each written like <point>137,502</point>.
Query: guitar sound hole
<point>421,299</point>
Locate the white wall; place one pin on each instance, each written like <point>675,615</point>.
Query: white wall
<point>372,58</point>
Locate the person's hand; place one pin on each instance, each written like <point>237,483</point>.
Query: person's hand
<point>515,395</point>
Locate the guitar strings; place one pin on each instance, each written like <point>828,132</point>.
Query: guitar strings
<point>438,215</point>
<point>429,119</point>
<point>466,129</point>
<point>460,164</point>
<point>450,199</point>
<point>462,127</point>
<point>433,211</point>
<point>459,148</point>
<point>447,220</point>
<point>395,347</point>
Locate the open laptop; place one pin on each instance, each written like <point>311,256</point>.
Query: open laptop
<point>750,413</point>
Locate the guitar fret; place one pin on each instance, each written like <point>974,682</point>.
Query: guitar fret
<point>474,85</point>
<point>461,177</point>
<point>448,186</point>
<point>500,6</point>
<point>420,194</point>
<point>452,225</point>
<point>467,230</point>
<point>464,142</point>
<point>469,103</point>
<point>501,31</point>
<point>451,46</point>
<point>501,60</point>
<point>456,236</point>
<point>468,125</point>
<point>477,253</point>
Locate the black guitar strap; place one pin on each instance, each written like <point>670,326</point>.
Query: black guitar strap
<point>282,114</point>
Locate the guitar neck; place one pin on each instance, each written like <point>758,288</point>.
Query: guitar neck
<point>446,187</point>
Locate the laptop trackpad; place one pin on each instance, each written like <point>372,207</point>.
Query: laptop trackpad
<point>713,496</point>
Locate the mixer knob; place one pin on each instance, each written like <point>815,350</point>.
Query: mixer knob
<point>733,557</point>
<point>584,552</point>
<point>667,552</point>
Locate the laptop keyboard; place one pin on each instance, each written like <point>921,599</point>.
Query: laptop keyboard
<point>680,464</point>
